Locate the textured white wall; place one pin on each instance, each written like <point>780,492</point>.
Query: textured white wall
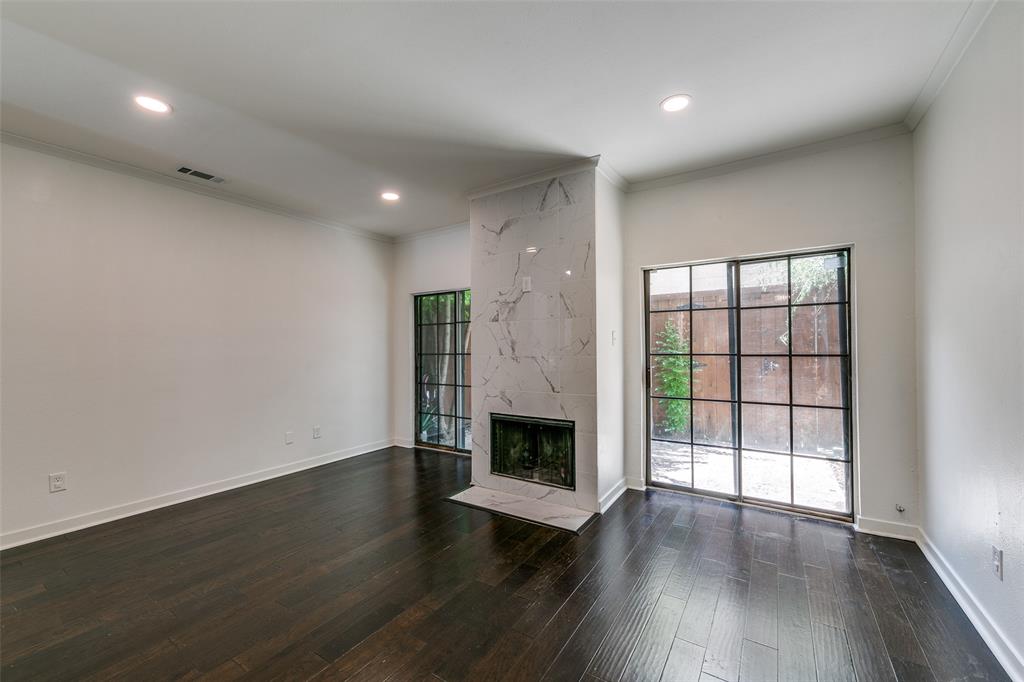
<point>969,153</point>
<point>609,204</point>
<point>437,261</point>
<point>157,341</point>
<point>860,195</point>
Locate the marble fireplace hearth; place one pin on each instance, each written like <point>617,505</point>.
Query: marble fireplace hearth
<point>525,508</point>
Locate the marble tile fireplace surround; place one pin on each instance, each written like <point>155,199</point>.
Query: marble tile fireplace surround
<point>536,256</point>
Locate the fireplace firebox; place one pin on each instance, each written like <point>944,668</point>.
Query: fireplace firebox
<point>534,449</point>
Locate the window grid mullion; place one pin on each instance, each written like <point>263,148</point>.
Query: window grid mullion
<point>723,400</point>
<point>659,311</point>
<point>454,324</point>
<point>737,356</point>
<point>737,360</point>
<point>689,364</point>
<point>789,299</point>
<point>798,455</point>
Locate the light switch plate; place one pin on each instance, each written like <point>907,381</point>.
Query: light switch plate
<point>997,562</point>
<point>289,437</point>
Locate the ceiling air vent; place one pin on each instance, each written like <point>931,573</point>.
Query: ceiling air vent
<point>200,174</point>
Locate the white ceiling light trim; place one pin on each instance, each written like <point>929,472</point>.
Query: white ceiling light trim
<point>153,105</point>
<point>674,103</point>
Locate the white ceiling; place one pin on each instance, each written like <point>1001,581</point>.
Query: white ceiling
<point>317,107</point>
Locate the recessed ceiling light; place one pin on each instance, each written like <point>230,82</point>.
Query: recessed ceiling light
<point>390,196</point>
<point>153,104</point>
<point>675,103</point>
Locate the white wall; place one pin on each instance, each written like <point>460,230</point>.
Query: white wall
<point>609,204</point>
<point>969,152</point>
<point>860,195</point>
<point>156,341</point>
<point>435,261</point>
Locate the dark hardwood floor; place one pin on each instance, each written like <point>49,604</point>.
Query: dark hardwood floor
<point>360,570</point>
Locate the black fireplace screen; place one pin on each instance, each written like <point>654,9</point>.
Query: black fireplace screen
<point>534,449</point>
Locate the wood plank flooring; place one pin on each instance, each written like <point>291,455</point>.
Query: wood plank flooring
<point>359,570</point>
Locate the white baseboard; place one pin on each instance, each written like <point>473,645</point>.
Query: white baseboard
<point>409,445</point>
<point>609,498</point>
<point>635,483</point>
<point>1011,659</point>
<point>1004,651</point>
<point>889,529</point>
<point>1002,648</point>
<point>120,511</point>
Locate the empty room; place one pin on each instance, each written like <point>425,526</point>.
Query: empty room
<point>512,341</point>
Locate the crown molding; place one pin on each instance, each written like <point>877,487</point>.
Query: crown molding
<point>862,137</point>
<point>540,176</point>
<point>69,154</point>
<point>433,232</point>
<point>963,35</point>
<point>611,175</point>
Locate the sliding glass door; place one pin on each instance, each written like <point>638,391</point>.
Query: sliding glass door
<point>443,399</point>
<point>748,380</point>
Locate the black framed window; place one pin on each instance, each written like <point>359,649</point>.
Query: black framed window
<point>749,380</point>
<point>443,363</point>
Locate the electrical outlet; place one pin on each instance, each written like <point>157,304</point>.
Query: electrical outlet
<point>289,437</point>
<point>58,482</point>
<point>997,562</point>
<point>316,432</point>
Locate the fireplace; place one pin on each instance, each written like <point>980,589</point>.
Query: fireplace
<point>534,449</point>
<point>538,339</point>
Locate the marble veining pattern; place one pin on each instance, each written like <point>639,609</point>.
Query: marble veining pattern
<point>534,351</point>
<point>526,508</point>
